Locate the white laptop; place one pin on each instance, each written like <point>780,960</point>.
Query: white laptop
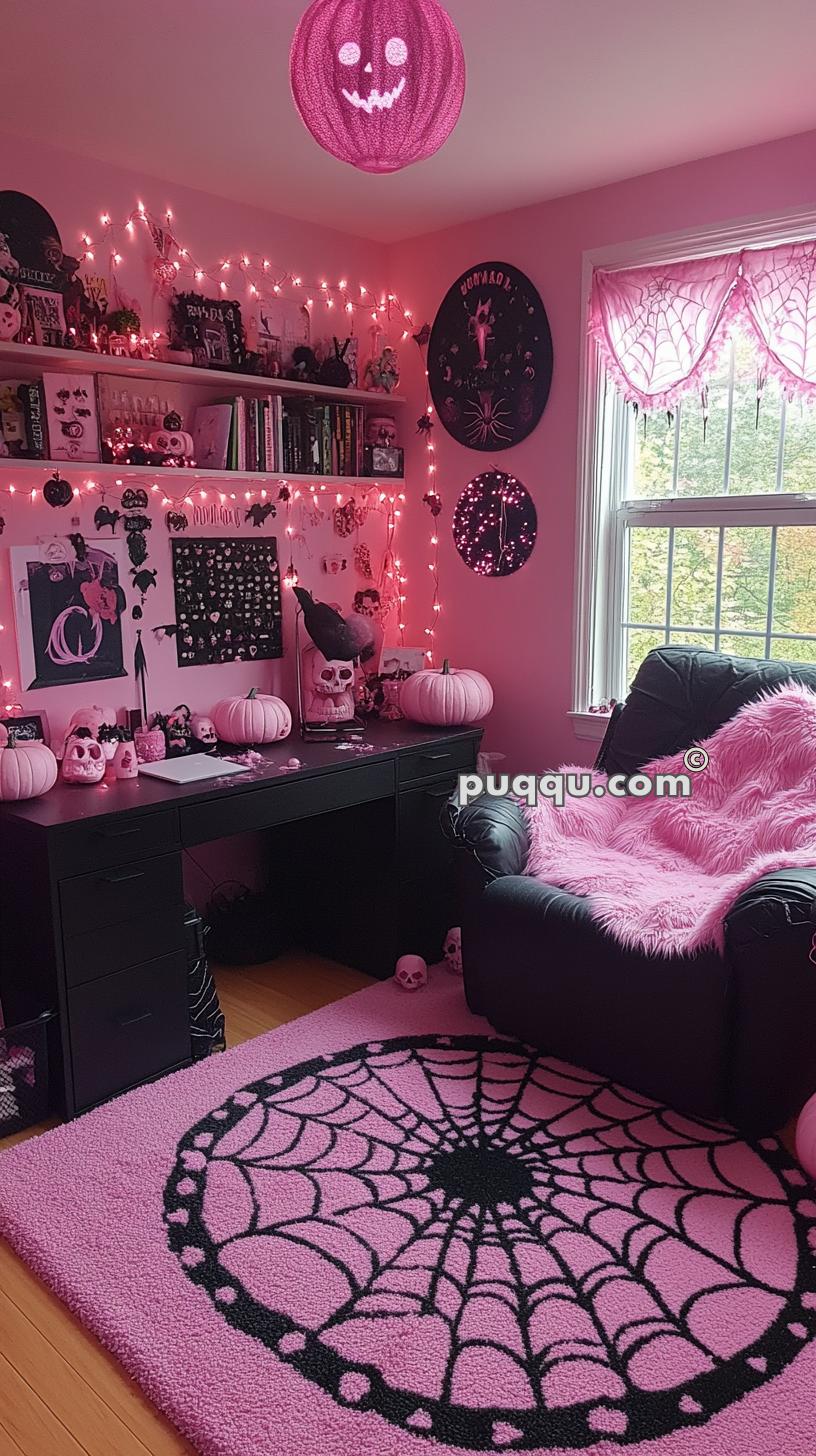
<point>191,770</point>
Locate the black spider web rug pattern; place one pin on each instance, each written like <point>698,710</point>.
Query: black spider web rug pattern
<point>495,1250</point>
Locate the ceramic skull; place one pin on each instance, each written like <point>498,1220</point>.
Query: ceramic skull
<point>411,973</point>
<point>203,731</point>
<point>453,951</point>
<point>83,761</point>
<point>328,688</point>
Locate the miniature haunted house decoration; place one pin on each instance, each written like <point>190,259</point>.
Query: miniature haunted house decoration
<point>326,666</point>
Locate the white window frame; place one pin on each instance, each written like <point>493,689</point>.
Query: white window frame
<point>598,640</point>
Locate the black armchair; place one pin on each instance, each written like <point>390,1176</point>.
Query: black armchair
<point>731,1036</point>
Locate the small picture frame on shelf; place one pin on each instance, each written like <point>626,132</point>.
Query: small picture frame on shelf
<point>210,328</point>
<point>72,416</point>
<point>44,317</point>
<point>383,460</point>
<point>28,727</point>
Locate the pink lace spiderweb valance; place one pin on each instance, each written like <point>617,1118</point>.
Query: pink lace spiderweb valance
<point>661,329</point>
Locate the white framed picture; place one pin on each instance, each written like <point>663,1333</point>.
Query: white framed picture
<point>69,612</point>
<point>400,662</point>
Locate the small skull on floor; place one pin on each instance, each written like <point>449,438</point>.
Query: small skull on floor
<point>411,973</point>
<point>453,951</point>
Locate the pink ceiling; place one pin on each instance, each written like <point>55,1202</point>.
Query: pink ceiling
<point>562,95</point>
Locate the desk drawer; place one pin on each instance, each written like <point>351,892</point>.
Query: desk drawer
<point>291,798</point>
<point>423,848</point>
<point>437,758</point>
<point>97,844</point>
<point>127,1028</point>
<point>111,896</point>
<point>110,948</point>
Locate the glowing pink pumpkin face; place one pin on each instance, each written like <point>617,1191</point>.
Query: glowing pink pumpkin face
<point>378,83</point>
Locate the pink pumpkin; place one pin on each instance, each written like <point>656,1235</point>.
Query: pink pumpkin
<point>378,83</point>
<point>254,719</point>
<point>806,1138</point>
<point>446,698</point>
<point>26,769</point>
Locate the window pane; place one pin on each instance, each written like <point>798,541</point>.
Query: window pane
<point>692,639</point>
<point>694,576</point>
<point>638,645</point>
<point>800,448</point>
<point>743,646</point>
<point>754,442</point>
<point>648,573</point>
<point>701,461</point>
<point>653,458</point>
<point>746,566</point>
<point>793,651</point>
<point>794,608</point>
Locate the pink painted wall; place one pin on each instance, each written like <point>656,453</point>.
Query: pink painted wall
<point>76,191</point>
<point>519,630</point>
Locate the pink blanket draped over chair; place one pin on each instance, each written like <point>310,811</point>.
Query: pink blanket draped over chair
<point>661,873</point>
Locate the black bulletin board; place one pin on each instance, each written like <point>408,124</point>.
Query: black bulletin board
<point>228,601</point>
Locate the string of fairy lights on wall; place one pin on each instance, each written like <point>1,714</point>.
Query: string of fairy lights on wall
<point>261,278</point>
<point>260,274</point>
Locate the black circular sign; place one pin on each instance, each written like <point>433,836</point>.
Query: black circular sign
<point>30,246</point>
<point>490,358</point>
<point>490,1249</point>
<point>495,524</point>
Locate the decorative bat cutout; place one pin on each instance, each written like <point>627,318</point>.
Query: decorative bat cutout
<point>259,514</point>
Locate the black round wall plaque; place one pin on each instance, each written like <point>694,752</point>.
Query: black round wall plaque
<point>495,524</point>
<point>490,358</point>
<point>30,247</point>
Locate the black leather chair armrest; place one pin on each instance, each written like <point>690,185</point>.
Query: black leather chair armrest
<point>770,944</point>
<point>494,831</point>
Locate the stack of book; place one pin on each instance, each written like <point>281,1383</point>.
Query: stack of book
<point>296,437</point>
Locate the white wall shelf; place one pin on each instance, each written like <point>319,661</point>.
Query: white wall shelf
<point>31,360</point>
<point>106,474</point>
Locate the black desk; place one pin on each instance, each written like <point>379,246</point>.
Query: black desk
<point>91,887</point>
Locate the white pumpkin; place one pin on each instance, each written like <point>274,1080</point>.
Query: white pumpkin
<point>446,698</point>
<point>256,718</point>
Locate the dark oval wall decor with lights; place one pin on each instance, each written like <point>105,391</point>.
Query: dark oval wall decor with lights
<point>490,358</point>
<point>495,524</point>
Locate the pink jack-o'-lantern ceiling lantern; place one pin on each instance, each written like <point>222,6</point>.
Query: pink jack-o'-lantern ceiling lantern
<point>378,83</point>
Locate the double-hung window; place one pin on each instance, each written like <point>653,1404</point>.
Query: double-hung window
<point>699,515</point>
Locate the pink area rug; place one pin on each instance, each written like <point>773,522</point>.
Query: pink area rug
<point>380,1231</point>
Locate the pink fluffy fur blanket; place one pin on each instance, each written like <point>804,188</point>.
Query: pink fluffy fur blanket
<point>662,873</point>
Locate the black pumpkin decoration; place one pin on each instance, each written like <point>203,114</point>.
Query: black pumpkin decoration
<point>172,421</point>
<point>176,521</point>
<point>57,492</point>
<point>334,371</point>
